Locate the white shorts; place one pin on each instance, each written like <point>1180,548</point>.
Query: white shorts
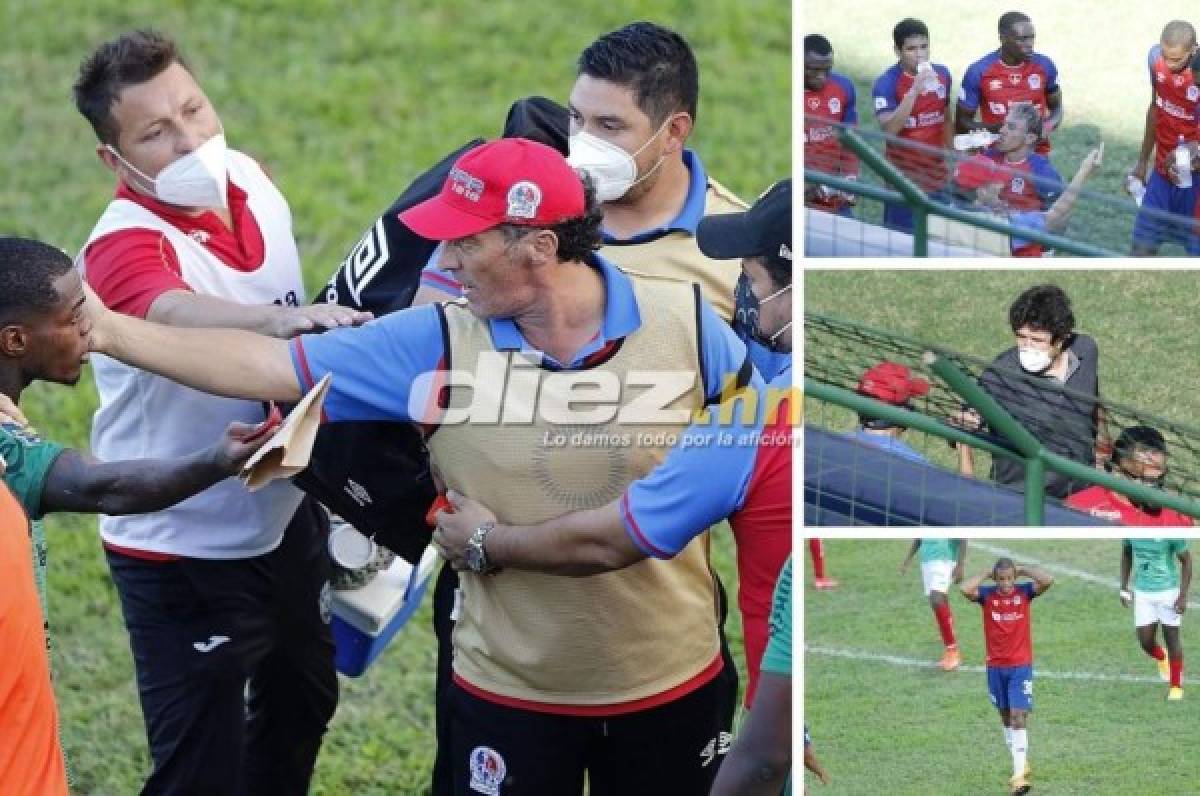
<point>937,575</point>
<point>1156,606</point>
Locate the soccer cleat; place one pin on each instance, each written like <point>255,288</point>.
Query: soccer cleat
<point>825,584</point>
<point>1019,786</point>
<point>951,660</point>
<point>1164,669</point>
<point>1175,694</point>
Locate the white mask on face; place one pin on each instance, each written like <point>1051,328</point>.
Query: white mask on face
<point>772,341</point>
<point>612,169</point>
<point>198,179</point>
<point>1034,360</point>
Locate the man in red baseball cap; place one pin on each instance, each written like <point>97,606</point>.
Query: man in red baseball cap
<point>889,383</point>
<point>554,680</point>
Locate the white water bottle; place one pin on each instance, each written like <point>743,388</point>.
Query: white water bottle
<point>976,139</point>
<point>1183,164</point>
<point>924,74</point>
<point>1136,188</point>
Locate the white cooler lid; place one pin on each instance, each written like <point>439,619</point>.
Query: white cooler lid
<point>370,608</point>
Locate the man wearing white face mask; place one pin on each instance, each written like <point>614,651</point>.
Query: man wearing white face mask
<point>1049,381</point>
<point>632,109</point>
<point>227,614</point>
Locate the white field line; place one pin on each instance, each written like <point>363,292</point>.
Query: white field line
<point>898,660</point>
<point>1056,569</point>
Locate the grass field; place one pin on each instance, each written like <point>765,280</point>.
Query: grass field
<point>894,725</point>
<point>1099,47</point>
<point>344,103</point>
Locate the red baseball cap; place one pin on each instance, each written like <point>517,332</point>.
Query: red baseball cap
<point>977,172</point>
<point>508,181</point>
<point>891,383</point>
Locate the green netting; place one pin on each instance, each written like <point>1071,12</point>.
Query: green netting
<point>837,352</point>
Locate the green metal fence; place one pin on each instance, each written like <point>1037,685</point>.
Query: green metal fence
<point>837,353</point>
<point>1111,213</point>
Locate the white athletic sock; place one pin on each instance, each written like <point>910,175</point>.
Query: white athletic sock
<point>1008,738</point>
<point>1020,746</point>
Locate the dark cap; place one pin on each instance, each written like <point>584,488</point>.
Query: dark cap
<point>765,230</point>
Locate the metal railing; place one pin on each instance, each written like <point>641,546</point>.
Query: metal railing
<point>923,206</point>
<point>830,382</point>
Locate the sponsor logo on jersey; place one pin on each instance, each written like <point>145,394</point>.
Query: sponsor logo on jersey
<point>1171,109</point>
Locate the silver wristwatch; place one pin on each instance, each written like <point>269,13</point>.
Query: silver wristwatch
<point>475,557</point>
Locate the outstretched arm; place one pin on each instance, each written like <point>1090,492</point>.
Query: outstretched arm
<point>228,362</point>
<point>1060,212</point>
<point>184,308</point>
<point>78,482</point>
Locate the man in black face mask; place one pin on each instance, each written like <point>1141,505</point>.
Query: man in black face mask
<point>1140,454</point>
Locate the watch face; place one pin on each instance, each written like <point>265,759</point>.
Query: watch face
<point>473,557</point>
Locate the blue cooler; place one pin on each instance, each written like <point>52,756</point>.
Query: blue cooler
<point>364,620</point>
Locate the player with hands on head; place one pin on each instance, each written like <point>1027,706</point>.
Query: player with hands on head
<point>1007,616</point>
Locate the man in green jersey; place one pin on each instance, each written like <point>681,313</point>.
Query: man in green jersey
<point>44,336</point>
<point>760,761</point>
<point>942,562</point>
<point>1162,574</point>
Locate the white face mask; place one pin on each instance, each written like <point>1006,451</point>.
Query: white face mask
<point>771,341</point>
<point>612,169</point>
<point>198,179</point>
<point>1034,360</point>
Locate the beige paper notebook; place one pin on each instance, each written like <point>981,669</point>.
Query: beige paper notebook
<point>289,450</point>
